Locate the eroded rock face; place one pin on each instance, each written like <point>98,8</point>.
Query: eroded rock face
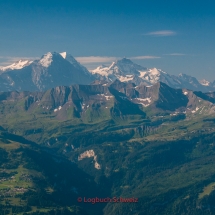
<point>89,154</point>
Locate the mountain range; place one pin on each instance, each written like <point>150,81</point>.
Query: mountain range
<point>142,108</point>
<point>61,69</point>
<point>127,71</point>
<point>154,143</point>
<point>126,132</point>
<point>101,102</point>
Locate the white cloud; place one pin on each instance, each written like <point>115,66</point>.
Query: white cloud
<point>95,59</point>
<point>144,57</point>
<point>162,33</point>
<point>176,54</point>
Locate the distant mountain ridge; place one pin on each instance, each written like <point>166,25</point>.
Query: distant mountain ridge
<point>127,71</point>
<point>61,69</point>
<point>53,69</point>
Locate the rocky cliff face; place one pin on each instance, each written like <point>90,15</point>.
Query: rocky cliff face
<point>117,99</point>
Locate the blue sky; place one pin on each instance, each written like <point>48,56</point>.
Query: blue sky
<point>175,36</point>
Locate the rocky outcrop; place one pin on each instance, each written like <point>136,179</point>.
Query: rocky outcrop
<point>89,154</point>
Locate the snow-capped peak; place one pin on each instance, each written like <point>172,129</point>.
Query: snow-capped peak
<point>123,69</point>
<point>46,59</point>
<point>112,64</point>
<point>101,70</point>
<point>63,54</point>
<point>155,71</point>
<point>17,65</point>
